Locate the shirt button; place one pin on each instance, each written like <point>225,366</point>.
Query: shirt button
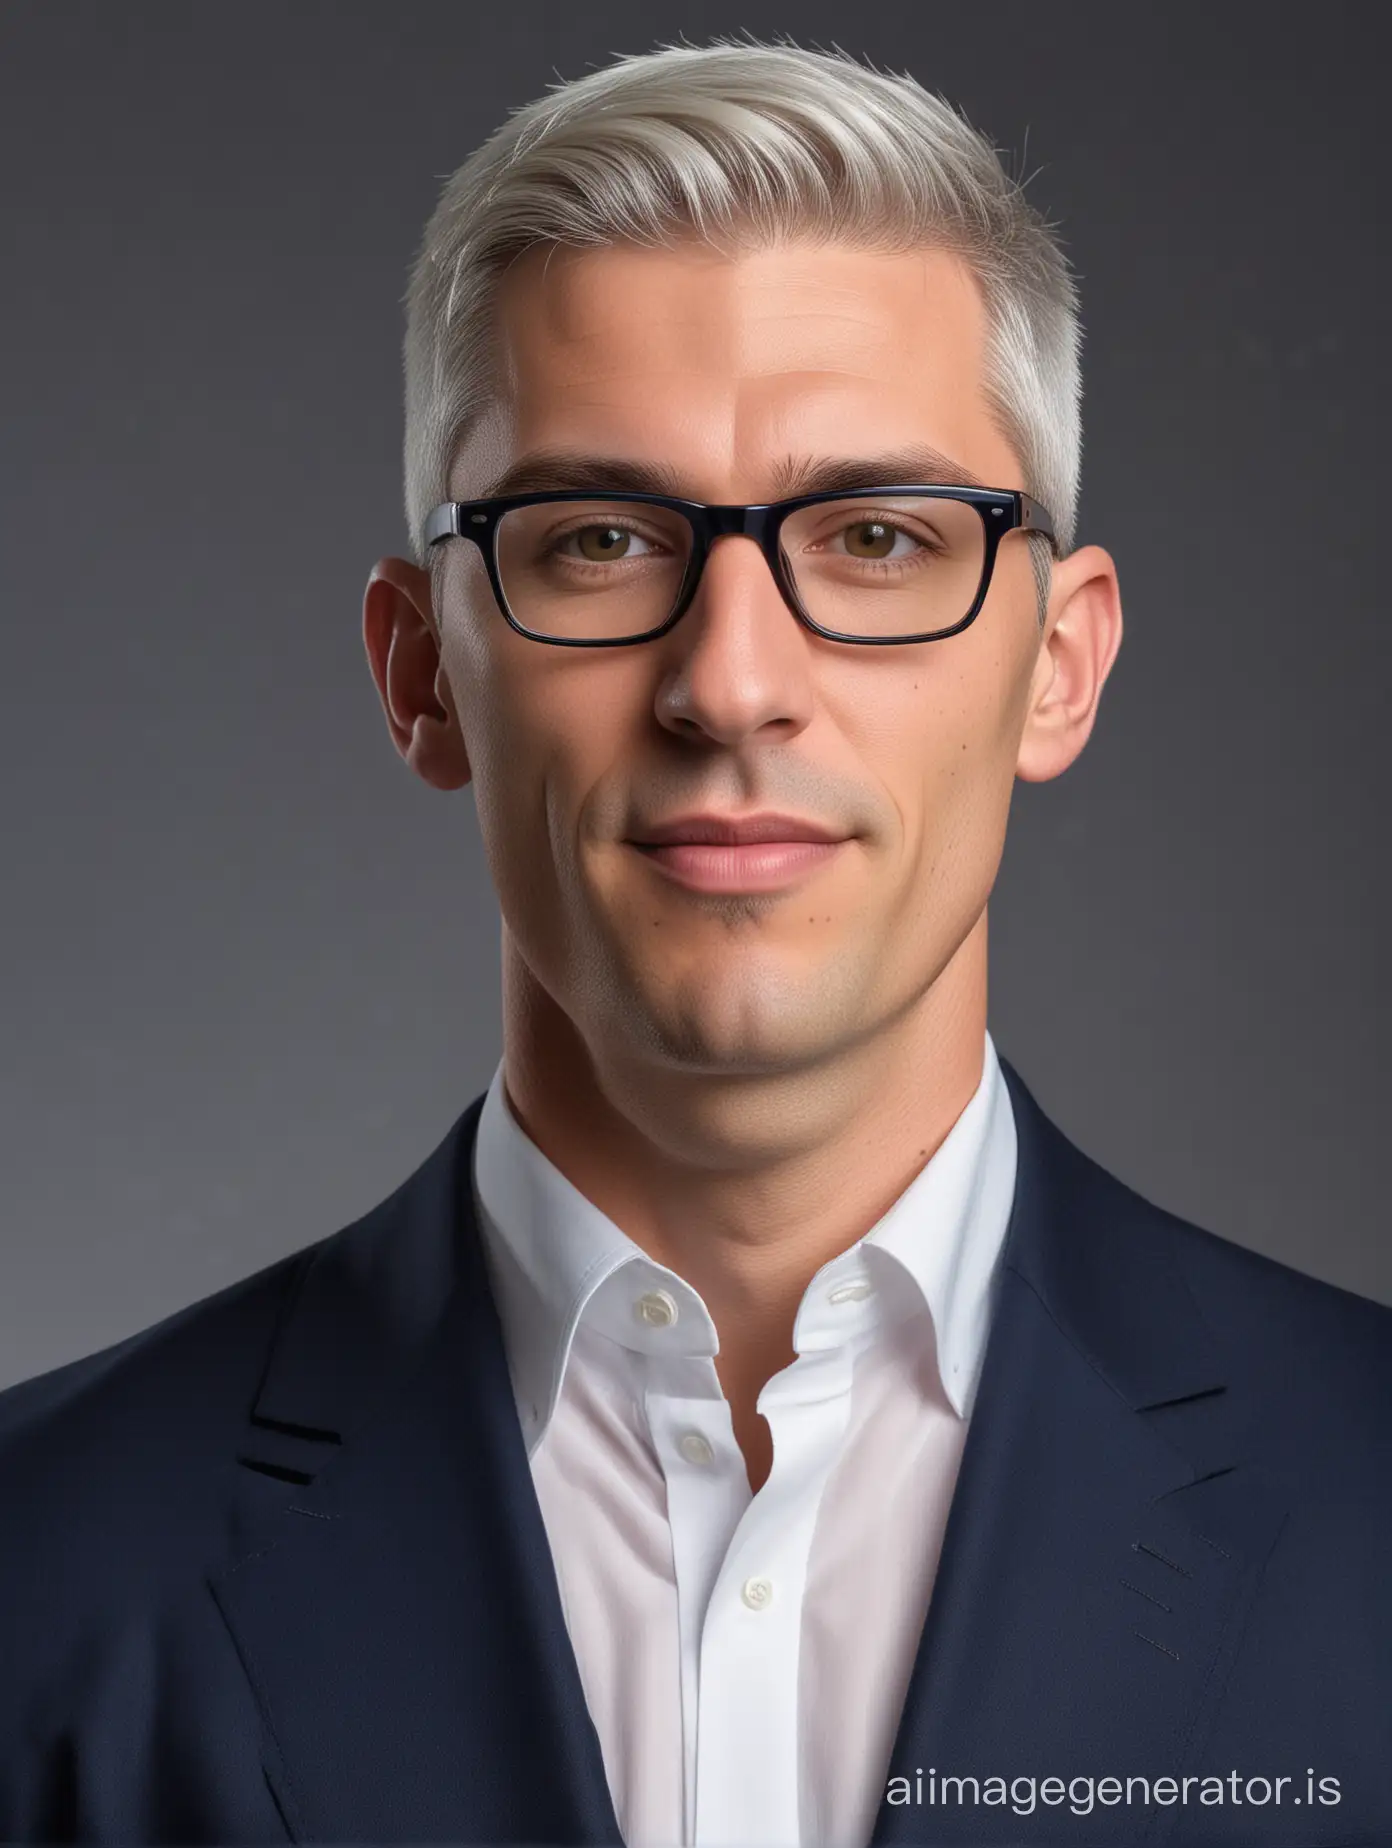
<point>656,1308</point>
<point>694,1447</point>
<point>757,1593</point>
<point>848,1293</point>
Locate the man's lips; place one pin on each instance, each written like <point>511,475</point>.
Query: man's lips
<point>734,830</point>
<point>753,866</point>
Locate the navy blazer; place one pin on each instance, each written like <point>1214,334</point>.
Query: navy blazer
<point>273,1569</point>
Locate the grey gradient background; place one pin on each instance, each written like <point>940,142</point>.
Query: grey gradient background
<point>250,963</point>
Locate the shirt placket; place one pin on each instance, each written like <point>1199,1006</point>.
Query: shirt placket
<point>747,1762</point>
<point>707,1495</point>
<point>740,1561</point>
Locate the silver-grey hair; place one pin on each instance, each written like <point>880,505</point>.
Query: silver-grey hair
<point>745,144</point>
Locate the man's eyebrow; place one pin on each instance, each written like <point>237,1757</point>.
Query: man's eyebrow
<point>919,465</point>
<point>556,470</point>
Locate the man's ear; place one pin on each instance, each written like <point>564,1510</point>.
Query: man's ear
<point>1082,633</point>
<point>403,651</point>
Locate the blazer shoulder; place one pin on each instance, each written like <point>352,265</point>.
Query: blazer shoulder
<point>119,1455</point>
<point>139,1437</point>
<point>1320,1355</point>
<point>198,1348</point>
<point>128,1479</point>
<point>1294,1336</point>
<point>1236,1280</point>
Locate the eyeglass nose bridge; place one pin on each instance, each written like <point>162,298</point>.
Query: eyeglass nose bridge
<point>759,523</point>
<point>738,522</point>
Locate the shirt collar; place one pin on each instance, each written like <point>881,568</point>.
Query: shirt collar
<point>945,1232</point>
<point>554,1258</point>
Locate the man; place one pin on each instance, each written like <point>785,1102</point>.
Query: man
<point>755,1423</point>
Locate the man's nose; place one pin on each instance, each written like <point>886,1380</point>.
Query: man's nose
<point>738,574</point>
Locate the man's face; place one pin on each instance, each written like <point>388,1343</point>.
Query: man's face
<point>728,371</point>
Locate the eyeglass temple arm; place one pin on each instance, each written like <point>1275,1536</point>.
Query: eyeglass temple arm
<point>1035,518</point>
<point>443,523</point>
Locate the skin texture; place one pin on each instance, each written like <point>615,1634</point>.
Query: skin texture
<point>743,1083</point>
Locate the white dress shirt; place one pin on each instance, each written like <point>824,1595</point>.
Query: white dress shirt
<point>745,1657</point>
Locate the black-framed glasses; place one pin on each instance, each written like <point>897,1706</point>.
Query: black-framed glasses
<point>585,569</point>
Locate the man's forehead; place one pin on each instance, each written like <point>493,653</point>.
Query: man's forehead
<point>737,370</point>
<point>622,310</point>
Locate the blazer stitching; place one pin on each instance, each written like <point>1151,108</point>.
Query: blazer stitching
<point>1168,1608</point>
<point>1150,1639</point>
<point>1213,1543</point>
<point>1143,1546</point>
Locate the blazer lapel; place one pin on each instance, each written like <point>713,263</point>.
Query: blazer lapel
<point>394,1603</point>
<point>1106,1536</point>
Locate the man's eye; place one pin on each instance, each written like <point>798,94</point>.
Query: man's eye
<point>873,539</point>
<point>602,544</point>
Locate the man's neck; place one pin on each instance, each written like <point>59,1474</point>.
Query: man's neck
<point>746,1186</point>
